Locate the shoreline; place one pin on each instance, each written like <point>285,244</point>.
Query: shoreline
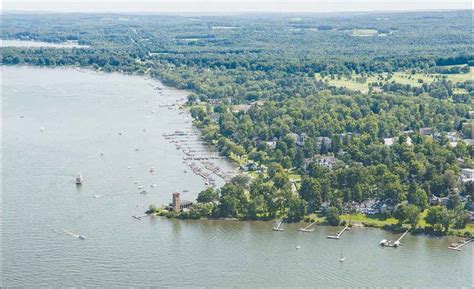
<point>393,229</point>
<point>181,106</point>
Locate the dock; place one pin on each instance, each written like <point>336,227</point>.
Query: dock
<point>458,246</point>
<point>140,217</point>
<point>278,227</point>
<point>393,244</point>
<point>338,235</point>
<point>307,228</point>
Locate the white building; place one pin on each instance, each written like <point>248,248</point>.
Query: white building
<point>467,175</point>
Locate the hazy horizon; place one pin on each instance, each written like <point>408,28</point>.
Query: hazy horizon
<point>262,6</point>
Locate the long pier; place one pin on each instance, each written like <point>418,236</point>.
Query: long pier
<point>458,246</point>
<point>338,235</point>
<point>278,227</point>
<point>307,228</point>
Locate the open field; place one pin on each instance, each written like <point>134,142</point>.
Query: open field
<point>402,77</point>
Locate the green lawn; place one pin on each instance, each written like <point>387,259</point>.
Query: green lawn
<point>364,32</point>
<point>375,221</point>
<point>401,77</point>
<point>368,219</point>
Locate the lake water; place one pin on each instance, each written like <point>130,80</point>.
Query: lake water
<point>82,113</point>
<point>29,43</point>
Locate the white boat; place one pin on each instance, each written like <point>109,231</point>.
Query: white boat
<point>298,247</point>
<point>79,179</point>
<point>342,257</point>
<point>154,185</point>
<point>82,237</point>
<point>42,128</point>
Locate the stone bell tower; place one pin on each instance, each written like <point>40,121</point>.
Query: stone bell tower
<point>176,203</point>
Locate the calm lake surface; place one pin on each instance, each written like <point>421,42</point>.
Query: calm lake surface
<point>82,113</point>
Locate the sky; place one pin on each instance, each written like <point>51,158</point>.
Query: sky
<point>231,6</point>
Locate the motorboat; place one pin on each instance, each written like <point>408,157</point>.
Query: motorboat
<point>79,179</point>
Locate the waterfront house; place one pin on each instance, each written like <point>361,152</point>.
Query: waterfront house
<point>324,206</point>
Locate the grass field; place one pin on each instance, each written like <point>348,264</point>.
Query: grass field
<point>364,32</point>
<point>376,222</point>
<point>398,77</point>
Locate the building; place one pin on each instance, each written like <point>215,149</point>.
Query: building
<point>467,175</point>
<point>323,139</point>
<point>390,141</point>
<point>425,131</point>
<point>179,205</point>
<point>327,161</point>
<point>434,200</point>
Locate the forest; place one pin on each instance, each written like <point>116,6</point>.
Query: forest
<point>278,94</point>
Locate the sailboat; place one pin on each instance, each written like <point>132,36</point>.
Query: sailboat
<point>342,257</point>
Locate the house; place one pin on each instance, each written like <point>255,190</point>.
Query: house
<point>468,141</point>
<point>301,139</point>
<point>271,144</point>
<point>323,139</point>
<point>470,208</point>
<point>467,175</point>
<point>425,131</point>
<point>453,136</point>
<point>434,200</point>
<point>388,141</point>
<point>327,161</point>
<point>214,117</point>
<point>324,206</point>
<point>240,107</point>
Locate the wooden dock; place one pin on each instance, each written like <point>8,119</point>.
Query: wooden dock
<point>307,228</point>
<point>458,246</point>
<point>338,235</point>
<point>140,217</point>
<point>278,227</point>
<point>393,244</point>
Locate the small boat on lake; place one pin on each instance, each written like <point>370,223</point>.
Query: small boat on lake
<point>79,179</point>
<point>342,259</point>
